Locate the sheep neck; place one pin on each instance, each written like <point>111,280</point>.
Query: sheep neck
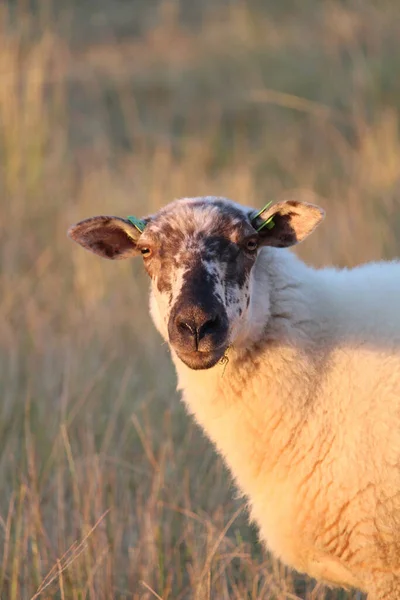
<point>257,407</point>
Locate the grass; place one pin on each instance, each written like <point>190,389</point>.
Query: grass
<point>108,489</point>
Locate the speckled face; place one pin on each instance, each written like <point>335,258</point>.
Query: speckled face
<point>199,254</point>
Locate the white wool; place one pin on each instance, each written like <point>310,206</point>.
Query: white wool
<point>307,411</point>
<point>307,416</point>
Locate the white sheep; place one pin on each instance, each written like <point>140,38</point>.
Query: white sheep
<point>293,372</point>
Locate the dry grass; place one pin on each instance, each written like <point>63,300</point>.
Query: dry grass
<point>108,489</point>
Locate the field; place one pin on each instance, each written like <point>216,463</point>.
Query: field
<point>108,489</point>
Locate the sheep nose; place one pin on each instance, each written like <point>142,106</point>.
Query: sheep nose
<point>197,325</point>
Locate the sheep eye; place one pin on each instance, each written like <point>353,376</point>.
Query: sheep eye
<point>146,252</point>
<point>251,245</point>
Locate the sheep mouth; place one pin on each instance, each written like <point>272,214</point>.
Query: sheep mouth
<point>202,360</point>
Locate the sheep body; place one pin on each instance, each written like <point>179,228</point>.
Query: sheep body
<point>307,411</point>
<point>309,418</point>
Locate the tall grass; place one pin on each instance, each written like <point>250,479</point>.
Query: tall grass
<point>108,489</point>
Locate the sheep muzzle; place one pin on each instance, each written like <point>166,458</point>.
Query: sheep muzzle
<point>199,333</point>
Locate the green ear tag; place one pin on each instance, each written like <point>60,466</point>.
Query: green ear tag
<point>140,225</point>
<point>269,223</point>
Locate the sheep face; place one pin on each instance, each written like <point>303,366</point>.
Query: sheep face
<point>200,272</point>
<point>199,254</point>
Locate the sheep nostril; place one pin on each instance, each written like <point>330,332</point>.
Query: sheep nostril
<point>187,326</point>
<point>208,327</point>
<point>198,329</point>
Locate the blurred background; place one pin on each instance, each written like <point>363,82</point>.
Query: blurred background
<point>108,490</point>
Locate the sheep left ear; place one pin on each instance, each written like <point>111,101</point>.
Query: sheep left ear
<point>287,223</point>
<point>109,237</point>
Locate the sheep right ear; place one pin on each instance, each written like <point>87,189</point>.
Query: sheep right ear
<point>287,223</point>
<point>109,237</point>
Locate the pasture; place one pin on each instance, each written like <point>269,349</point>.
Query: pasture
<point>108,489</point>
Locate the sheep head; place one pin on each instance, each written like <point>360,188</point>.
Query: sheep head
<point>199,254</point>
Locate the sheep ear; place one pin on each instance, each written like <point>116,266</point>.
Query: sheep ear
<point>287,223</point>
<point>109,237</point>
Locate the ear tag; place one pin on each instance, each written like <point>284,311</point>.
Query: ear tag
<point>140,225</point>
<point>269,223</point>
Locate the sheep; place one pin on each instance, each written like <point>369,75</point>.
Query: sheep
<point>293,373</point>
